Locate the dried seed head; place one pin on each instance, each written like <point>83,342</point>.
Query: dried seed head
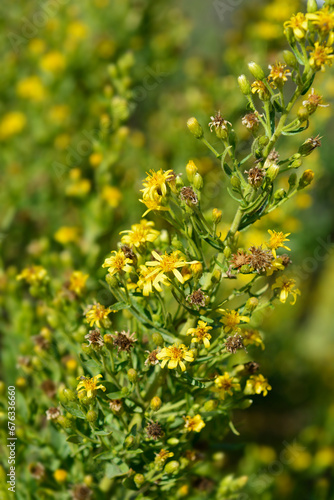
<point>255,176</point>
<point>197,298</point>
<point>41,342</point>
<point>240,259</point>
<point>220,125</point>
<point>251,121</point>
<point>188,195</point>
<point>260,259</point>
<point>116,406</point>
<point>251,367</point>
<point>52,413</point>
<point>37,470</point>
<point>95,339</point>
<point>152,357</point>
<point>233,343</point>
<point>154,430</point>
<point>285,259</point>
<point>129,254</point>
<point>49,388</point>
<point>124,341</point>
<point>81,492</point>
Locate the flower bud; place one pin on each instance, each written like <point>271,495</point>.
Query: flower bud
<point>244,85</point>
<point>139,480</point>
<point>88,480</point>
<point>235,181</point>
<point>216,215</point>
<point>312,6</point>
<point>256,71</point>
<point>191,170</point>
<point>309,145</point>
<point>252,303</point>
<point>296,164</point>
<point>172,467</point>
<point>60,475</point>
<point>195,128</point>
<point>129,442</point>
<point>155,403</point>
<point>69,395</point>
<point>272,172</point>
<point>21,383</point>
<point>290,59</point>
<point>279,194</point>
<point>290,36</point>
<point>303,114</point>
<point>91,416</point>
<point>227,252</point>
<point>157,339</point>
<point>64,422</point>
<point>87,349</point>
<point>210,405</point>
<point>198,181</point>
<point>132,375</point>
<point>105,484</point>
<point>173,441</point>
<point>112,281</point>
<point>306,179</point>
<point>196,270</point>
<point>216,276</point>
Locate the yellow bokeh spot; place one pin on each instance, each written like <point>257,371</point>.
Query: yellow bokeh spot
<point>112,196</point>
<point>31,88</point>
<point>12,123</point>
<point>53,62</point>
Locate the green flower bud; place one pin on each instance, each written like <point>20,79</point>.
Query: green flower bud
<point>303,114</point>
<point>155,403</point>
<point>173,441</point>
<point>157,339</point>
<point>132,375</point>
<point>252,303</point>
<point>129,442</point>
<point>306,179</point>
<point>290,59</point>
<point>88,480</point>
<point>91,416</point>
<point>210,405</point>
<point>256,71</point>
<point>198,181</point>
<point>235,181</point>
<point>139,480</point>
<point>312,6</point>
<point>290,36</point>
<point>244,404</point>
<point>172,467</point>
<point>216,276</point>
<point>216,215</point>
<point>105,484</point>
<point>309,145</point>
<point>69,395</point>
<point>64,422</point>
<point>227,252</point>
<point>272,172</point>
<point>244,85</point>
<point>86,401</point>
<point>279,194</point>
<point>195,128</point>
<point>296,164</point>
<point>125,391</point>
<point>87,349</point>
<point>263,140</point>
<point>245,269</point>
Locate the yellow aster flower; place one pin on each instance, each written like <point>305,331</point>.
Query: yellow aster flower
<point>140,234</point>
<point>278,75</point>
<point>32,275</point>
<point>231,319</point>
<point>168,263</point>
<point>147,281</point>
<point>117,263</point>
<point>257,384</point>
<point>275,265</point>
<point>195,423</point>
<point>200,333</point>
<point>258,87</point>
<point>88,386</point>
<point>287,286</point>
<point>77,282</point>
<point>298,24</point>
<point>225,384</point>
<point>175,355</point>
<point>156,183</point>
<point>276,241</point>
<point>322,20</point>
<point>320,55</point>
<point>153,204</point>
<point>161,457</point>
<point>252,337</point>
<point>98,314</point>
<point>67,234</point>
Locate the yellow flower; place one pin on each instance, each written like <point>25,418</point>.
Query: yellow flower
<point>226,385</point>
<point>252,337</point>
<point>155,183</point>
<point>60,475</point>
<point>195,423</point>
<point>258,87</point>
<point>12,123</point>
<point>33,274</point>
<point>161,457</point>
<point>67,234</point>
<point>166,264</point>
<point>111,195</point>
<point>320,56</point>
<point>98,314</point>
<point>231,319</point>
<point>77,282</point>
<point>275,265</point>
<point>200,333</point>
<point>278,75</point>
<point>322,20</point>
<point>174,356</point>
<point>54,62</point>
<point>153,204</point>
<point>276,241</point>
<point>118,263</point>
<point>147,281</point>
<point>89,386</point>
<point>257,384</point>
<point>140,234</point>
<point>31,88</point>
<point>286,286</point>
<point>298,24</point>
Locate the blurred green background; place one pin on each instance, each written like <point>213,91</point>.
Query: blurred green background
<point>95,93</point>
